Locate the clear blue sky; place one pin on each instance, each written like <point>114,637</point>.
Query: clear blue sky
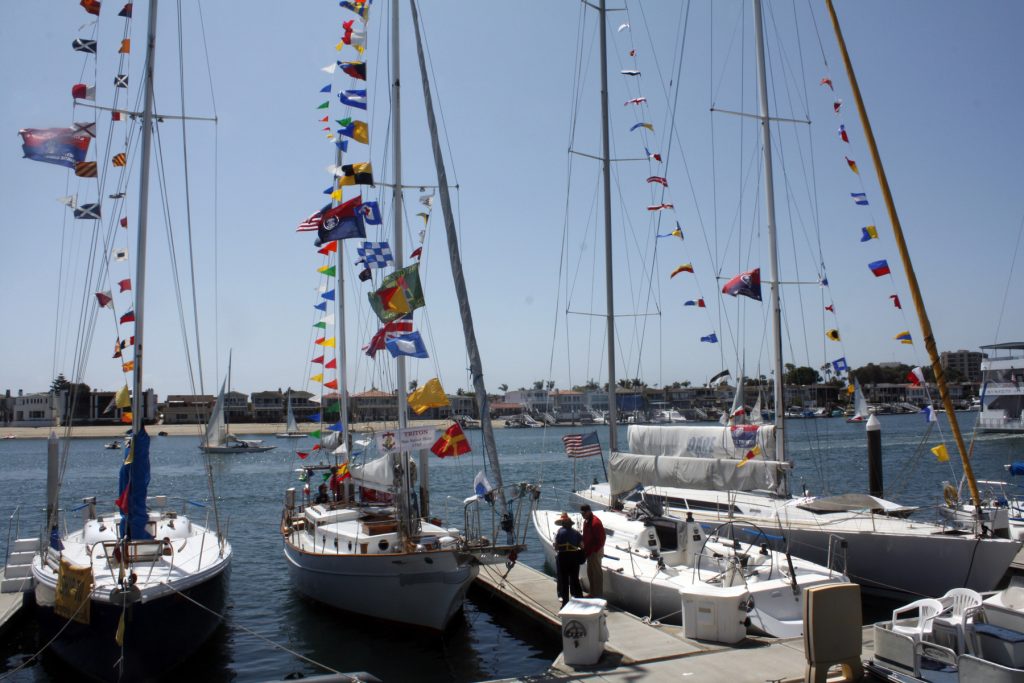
<point>942,84</point>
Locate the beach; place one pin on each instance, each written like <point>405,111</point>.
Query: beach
<point>244,428</point>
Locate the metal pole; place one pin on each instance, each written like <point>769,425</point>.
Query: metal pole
<point>138,401</point>
<point>901,244</point>
<point>769,191</point>
<point>606,172</point>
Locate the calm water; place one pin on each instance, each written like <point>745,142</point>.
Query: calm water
<point>485,643</point>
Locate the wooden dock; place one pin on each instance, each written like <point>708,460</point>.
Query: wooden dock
<point>10,606</point>
<point>638,649</point>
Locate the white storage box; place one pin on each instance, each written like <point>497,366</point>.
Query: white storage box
<point>715,613</point>
<point>584,630</point>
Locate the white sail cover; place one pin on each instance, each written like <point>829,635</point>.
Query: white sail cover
<point>377,474</point>
<point>215,427</point>
<point>699,457</point>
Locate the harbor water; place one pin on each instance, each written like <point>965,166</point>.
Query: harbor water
<point>268,626</point>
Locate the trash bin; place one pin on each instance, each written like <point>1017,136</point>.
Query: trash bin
<point>715,613</point>
<point>584,630</point>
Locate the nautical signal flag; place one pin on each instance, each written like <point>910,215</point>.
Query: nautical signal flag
<point>859,198</point>
<point>842,134</point>
<point>407,345</point>
<point>452,442</point>
<point>660,207</point>
<point>128,367</point>
<point>710,338</point>
<point>128,317</point>
<point>333,384</point>
<point>328,295</point>
<point>896,301</point>
<point>86,169</point>
<point>880,268</point>
<point>750,455</point>
<point>355,174</point>
<point>106,299</point>
<point>655,156</point>
<point>831,308</point>
<point>87,211</point>
<point>929,414</point>
<point>699,303</point>
<point>328,248</point>
<point>635,100</point>
<point>832,334</point>
<point>399,294</point>
<point>329,271</point>
<point>746,284</point>
<point>837,105</point>
<point>126,46</point>
<point>904,338</point>
<point>124,221</point>
<point>353,98</point>
<point>125,284</point>
<point>357,130</point>
<point>648,126</point>
<point>839,365</point>
<point>375,254</point>
<point>119,159</point>
<point>916,376</point>
<point>371,213</point>
<point>852,164</point>
<point>91,6</point>
<point>416,253</point>
<point>83,45</point>
<point>685,268</point>
<point>81,91</point>
<point>120,254</point>
<point>678,232</point>
<point>658,179</point>
<point>430,395</point>
<point>121,81</point>
<point>360,8</point>
<point>325,342</point>
<point>941,454</point>
<point>356,70</point>
<point>827,81</point>
<point>868,232</point>
<point>126,11</point>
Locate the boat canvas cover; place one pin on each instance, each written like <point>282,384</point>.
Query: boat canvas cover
<point>377,474</point>
<point>703,441</point>
<point>702,457</point>
<point>626,471</point>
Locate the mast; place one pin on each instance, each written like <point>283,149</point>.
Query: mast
<point>475,364</point>
<point>901,244</point>
<point>769,191</point>
<point>396,142</point>
<point>138,400</point>
<point>341,350</point>
<point>606,172</point>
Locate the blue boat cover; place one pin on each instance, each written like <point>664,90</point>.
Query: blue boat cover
<point>135,478</point>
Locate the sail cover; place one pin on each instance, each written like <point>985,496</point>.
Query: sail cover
<point>703,441</point>
<point>699,457</point>
<point>377,474</point>
<point>133,483</point>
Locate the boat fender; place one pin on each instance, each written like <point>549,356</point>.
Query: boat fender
<point>949,494</point>
<point>168,547</point>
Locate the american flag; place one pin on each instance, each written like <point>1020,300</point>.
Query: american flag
<point>310,223</point>
<point>581,445</point>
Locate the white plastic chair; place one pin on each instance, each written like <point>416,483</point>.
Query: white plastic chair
<point>958,601</point>
<point>927,609</point>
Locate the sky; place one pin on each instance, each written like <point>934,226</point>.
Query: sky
<point>516,86</point>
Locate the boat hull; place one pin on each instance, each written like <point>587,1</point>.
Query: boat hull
<point>234,449</point>
<point>424,589</point>
<point>159,634</point>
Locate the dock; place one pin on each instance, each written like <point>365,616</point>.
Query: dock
<point>10,605</point>
<point>639,649</point>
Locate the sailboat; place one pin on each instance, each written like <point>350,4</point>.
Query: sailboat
<point>650,558</point>
<point>218,437</point>
<point>291,430</point>
<point>138,588</point>
<point>377,551</point>
<point>860,404</point>
<point>661,461</point>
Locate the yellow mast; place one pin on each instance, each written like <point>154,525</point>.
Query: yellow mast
<point>901,244</point>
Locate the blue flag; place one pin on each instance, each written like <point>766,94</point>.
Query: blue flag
<point>61,146</point>
<point>407,345</point>
<point>353,98</point>
<point>371,213</point>
<point>711,338</point>
<point>326,88</point>
<point>329,295</point>
<point>322,306</point>
<point>315,417</point>
<point>839,365</point>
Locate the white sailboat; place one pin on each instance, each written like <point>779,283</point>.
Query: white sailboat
<point>218,437</point>
<point>650,559</point>
<point>140,587</point>
<point>291,430</point>
<point>860,404</point>
<point>663,462</point>
<point>380,556</point>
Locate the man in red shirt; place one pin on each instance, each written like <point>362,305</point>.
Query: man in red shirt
<point>593,549</point>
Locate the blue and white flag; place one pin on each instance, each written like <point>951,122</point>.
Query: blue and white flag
<point>481,487</point>
<point>353,98</point>
<point>859,198</point>
<point>375,254</point>
<point>407,345</point>
<point>371,213</point>
<point>710,339</point>
<point>929,414</point>
<point>839,365</point>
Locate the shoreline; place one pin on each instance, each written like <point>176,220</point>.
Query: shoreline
<point>197,430</point>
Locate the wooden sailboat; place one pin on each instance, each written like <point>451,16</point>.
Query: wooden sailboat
<point>139,588</point>
<point>383,556</point>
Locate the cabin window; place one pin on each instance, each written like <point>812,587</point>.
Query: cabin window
<point>667,538</point>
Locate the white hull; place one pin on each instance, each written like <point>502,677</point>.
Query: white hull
<point>649,584</point>
<point>421,589</point>
<point>887,555</point>
<point>290,435</point>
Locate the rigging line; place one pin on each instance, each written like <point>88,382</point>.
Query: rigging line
<point>188,199</point>
<point>817,34</point>
<point>1009,280</point>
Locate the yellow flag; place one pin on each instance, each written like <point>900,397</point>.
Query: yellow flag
<point>850,389</point>
<point>123,398</point>
<point>940,453</point>
<point>430,395</point>
<point>336,195</point>
<point>318,378</point>
<point>751,454</point>
<point>329,342</point>
<point>832,334</point>
<point>128,367</point>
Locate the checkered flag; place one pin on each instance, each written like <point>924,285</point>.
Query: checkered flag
<point>375,254</point>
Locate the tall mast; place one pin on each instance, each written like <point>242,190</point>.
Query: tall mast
<point>475,364</point>
<point>606,172</point>
<point>341,353</point>
<point>769,191</point>
<point>138,400</point>
<point>901,244</point>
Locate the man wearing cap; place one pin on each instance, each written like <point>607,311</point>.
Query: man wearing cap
<point>569,546</point>
<point>593,550</point>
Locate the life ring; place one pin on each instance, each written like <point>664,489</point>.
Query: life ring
<point>949,494</point>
